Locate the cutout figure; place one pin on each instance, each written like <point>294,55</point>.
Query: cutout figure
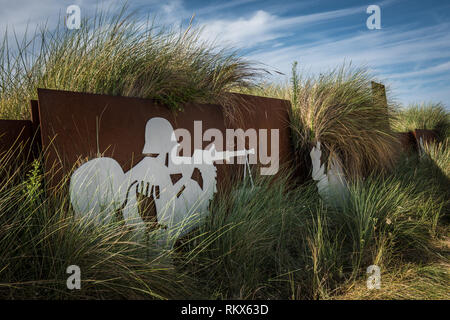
<point>157,193</point>
<point>332,186</point>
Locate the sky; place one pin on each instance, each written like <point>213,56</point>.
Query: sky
<point>410,53</point>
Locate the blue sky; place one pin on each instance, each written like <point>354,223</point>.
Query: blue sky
<point>410,53</point>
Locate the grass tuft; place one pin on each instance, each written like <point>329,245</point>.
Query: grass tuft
<point>339,110</point>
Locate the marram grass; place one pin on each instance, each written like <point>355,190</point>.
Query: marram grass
<point>40,237</point>
<point>119,55</point>
<point>339,109</point>
<point>270,241</point>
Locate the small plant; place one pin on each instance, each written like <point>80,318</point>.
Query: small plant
<point>33,184</point>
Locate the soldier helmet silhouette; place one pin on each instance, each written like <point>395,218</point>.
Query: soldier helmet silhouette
<point>159,136</point>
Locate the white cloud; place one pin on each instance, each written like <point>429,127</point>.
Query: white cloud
<point>262,26</point>
<point>243,32</point>
<point>402,47</point>
<point>18,15</point>
<point>212,9</point>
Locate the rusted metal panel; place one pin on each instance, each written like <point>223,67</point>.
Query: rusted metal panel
<point>268,113</point>
<point>16,137</point>
<point>407,142</point>
<point>14,132</point>
<point>76,127</point>
<point>410,141</point>
<point>427,136</point>
<point>21,138</point>
<point>379,93</point>
<point>34,115</point>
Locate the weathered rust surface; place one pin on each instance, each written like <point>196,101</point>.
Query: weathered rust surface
<point>16,143</point>
<point>407,142</point>
<point>426,135</point>
<point>76,127</point>
<point>268,113</point>
<point>14,133</point>
<point>34,114</point>
<point>410,141</point>
<point>20,139</point>
<point>379,93</point>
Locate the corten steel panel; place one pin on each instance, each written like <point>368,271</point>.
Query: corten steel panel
<point>407,141</point>
<point>379,92</point>
<point>20,139</point>
<point>13,132</point>
<point>34,114</point>
<point>426,135</point>
<point>268,113</point>
<point>15,139</point>
<point>78,126</point>
<point>36,145</point>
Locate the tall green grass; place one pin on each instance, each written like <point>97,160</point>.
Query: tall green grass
<point>280,242</point>
<point>40,237</point>
<point>339,110</point>
<point>408,281</point>
<point>270,241</point>
<point>116,53</point>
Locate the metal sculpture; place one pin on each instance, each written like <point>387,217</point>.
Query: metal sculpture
<point>163,190</point>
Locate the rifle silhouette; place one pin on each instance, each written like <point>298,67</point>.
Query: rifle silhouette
<point>209,156</point>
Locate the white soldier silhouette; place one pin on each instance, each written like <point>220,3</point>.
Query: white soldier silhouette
<point>332,186</point>
<point>162,191</point>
